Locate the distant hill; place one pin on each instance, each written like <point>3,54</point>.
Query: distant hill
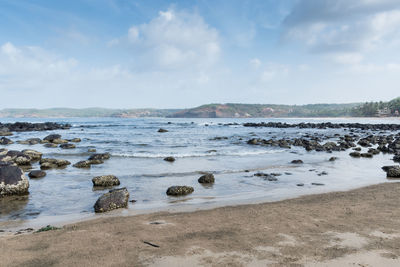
<point>231,110</point>
<point>85,112</point>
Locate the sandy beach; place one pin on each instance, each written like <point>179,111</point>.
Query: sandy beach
<point>354,228</point>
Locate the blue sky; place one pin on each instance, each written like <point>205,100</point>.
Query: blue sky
<point>167,54</point>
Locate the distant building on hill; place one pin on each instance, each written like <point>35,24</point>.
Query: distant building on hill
<point>384,112</point>
<point>396,113</point>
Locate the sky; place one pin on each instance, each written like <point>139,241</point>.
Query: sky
<point>180,54</point>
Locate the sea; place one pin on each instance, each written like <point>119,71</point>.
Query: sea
<point>217,146</point>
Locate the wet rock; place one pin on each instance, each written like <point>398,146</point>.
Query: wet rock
<point>207,179</point>
<point>355,154</point>
<point>3,151</point>
<point>82,164</point>
<point>50,138</point>
<point>161,130</point>
<point>17,157</point>
<point>51,145</point>
<point>12,181</point>
<point>50,163</point>
<point>30,141</point>
<point>92,150</point>
<point>37,174</point>
<point>170,159</point>
<point>297,161</point>
<point>333,158</point>
<point>322,173</point>
<point>301,184</point>
<point>114,199</point>
<point>105,180</point>
<point>101,156</point>
<point>357,149</point>
<point>5,141</point>
<point>396,158</point>
<point>179,190</point>
<point>366,155</point>
<point>318,184</point>
<point>392,171</point>
<point>67,146</point>
<point>33,154</point>
<point>374,151</point>
<point>26,126</point>
<point>59,141</point>
<point>75,140</point>
<point>96,161</point>
<point>4,133</point>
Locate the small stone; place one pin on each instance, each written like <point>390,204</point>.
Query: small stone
<point>179,190</point>
<point>37,174</point>
<point>169,159</point>
<point>297,161</point>
<point>207,179</point>
<point>161,130</point>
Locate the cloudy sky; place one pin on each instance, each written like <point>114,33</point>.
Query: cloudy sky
<point>156,53</point>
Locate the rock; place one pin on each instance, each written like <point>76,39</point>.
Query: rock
<point>30,141</point>
<point>207,179</point>
<point>357,149</point>
<point>3,151</point>
<point>161,130</point>
<point>67,146</point>
<point>179,190</point>
<point>50,138</point>
<point>17,157</point>
<point>114,199</point>
<point>333,158</point>
<point>5,141</point>
<point>392,171</point>
<point>12,181</point>
<point>33,154</point>
<point>301,184</point>
<point>366,155</point>
<point>37,174</point>
<point>96,161</point>
<point>297,161</point>
<point>92,150</point>
<point>355,154</point>
<point>50,145</point>
<point>49,163</point>
<point>59,141</point>
<point>318,184</point>
<point>75,140</point>
<point>105,180</point>
<point>26,126</point>
<point>170,159</point>
<point>100,156</point>
<point>2,133</point>
<point>82,164</point>
<point>396,158</point>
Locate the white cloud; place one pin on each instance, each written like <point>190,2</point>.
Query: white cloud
<point>175,40</point>
<point>255,63</point>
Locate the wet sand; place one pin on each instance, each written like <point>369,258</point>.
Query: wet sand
<point>354,228</point>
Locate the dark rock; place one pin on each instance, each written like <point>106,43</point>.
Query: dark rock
<point>297,161</point>
<point>12,181</point>
<point>83,164</point>
<point>50,138</point>
<point>5,141</point>
<point>318,184</point>
<point>179,190</point>
<point>75,140</point>
<point>333,158</point>
<point>114,199</point>
<point>101,156</point>
<point>96,161</point>
<point>49,163</point>
<point>67,146</point>
<point>207,179</point>
<point>33,154</point>
<point>392,171</point>
<point>27,127</point>
<point>105,180</point>
<point>366,155</point>
<point>37,174</point>
<point>170,159</point>
<point>355,154</point>
<point>301,184</point>
<point>161,130</point>
<point>50,145</point>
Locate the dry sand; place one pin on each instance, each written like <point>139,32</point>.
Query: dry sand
<point>355,228</point>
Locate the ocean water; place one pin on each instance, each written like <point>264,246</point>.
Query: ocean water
<point>138,150</point>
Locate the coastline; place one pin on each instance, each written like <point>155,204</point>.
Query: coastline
<point>330,228</point>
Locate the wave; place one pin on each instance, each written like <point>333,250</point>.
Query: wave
<point>193,155</point>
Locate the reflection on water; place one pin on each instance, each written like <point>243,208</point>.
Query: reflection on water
<point>137,160</point>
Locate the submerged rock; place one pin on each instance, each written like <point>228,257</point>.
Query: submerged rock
<point>37,174</point>
<point>101,156</point>
<point>105,180</point>
<point>170,159</point>
<point>207,179</point>
<point>67,146</point>
<point>5,141</point>
<point>114,199</point>
<point>82,164</point>
<point>297,161</point>
<point>49,163</point>
<point>179,190</point>
<point>75,140</point>
<point>12,181</point>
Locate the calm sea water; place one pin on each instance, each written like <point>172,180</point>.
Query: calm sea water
<point>138,150</point>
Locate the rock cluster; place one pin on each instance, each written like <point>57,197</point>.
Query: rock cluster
<point>29,127</point>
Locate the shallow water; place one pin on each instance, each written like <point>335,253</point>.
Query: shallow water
<point>137,159</point>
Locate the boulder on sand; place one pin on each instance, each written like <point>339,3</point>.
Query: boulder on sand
<point>179,190</point>
<point>114,199</point>
<point>12,181</point>
<point>105,180</point>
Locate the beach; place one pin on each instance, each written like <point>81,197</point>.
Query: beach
<point>360,227</point>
